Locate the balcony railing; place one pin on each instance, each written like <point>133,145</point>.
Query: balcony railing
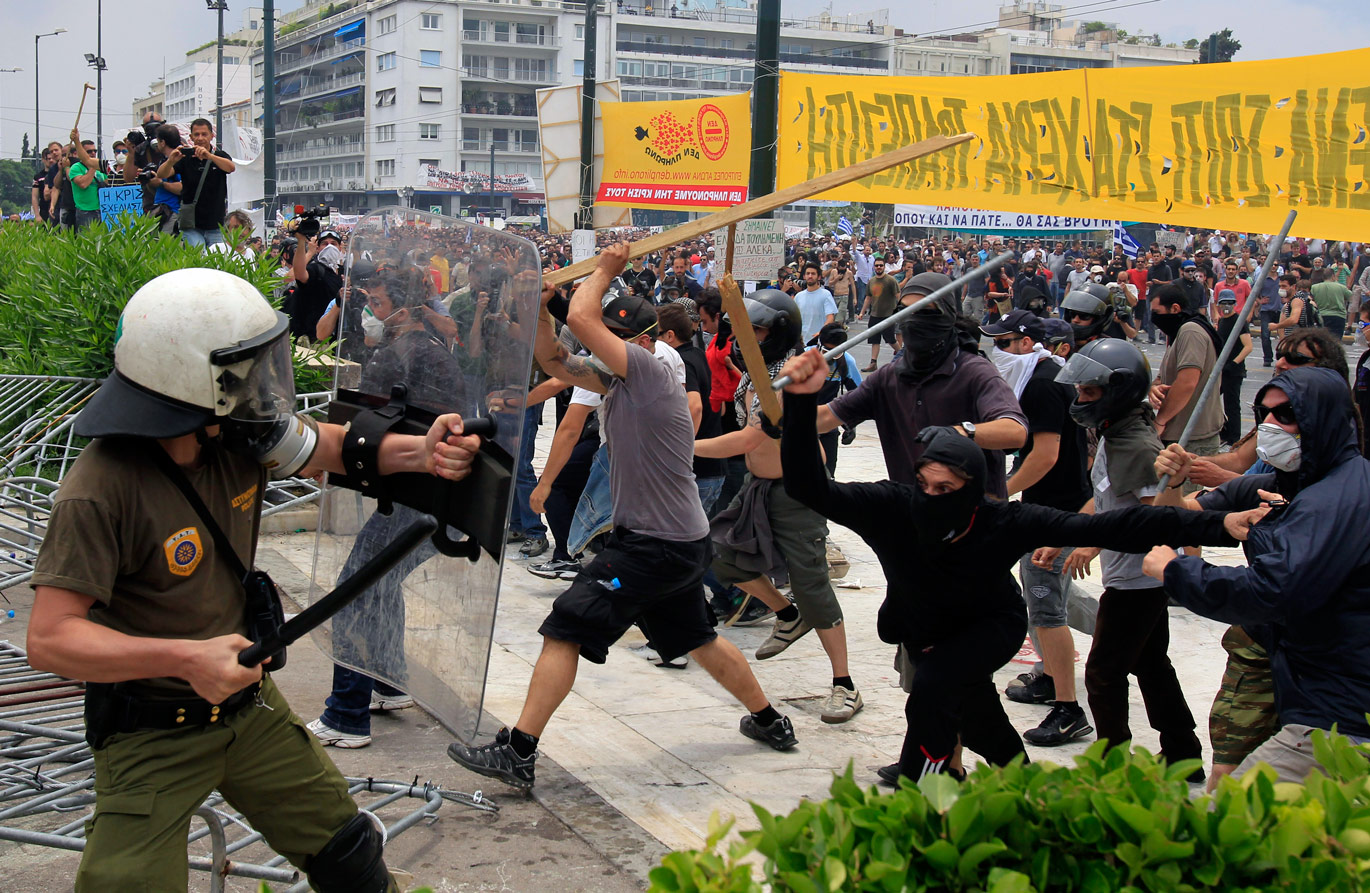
<point>287,61</point>
<point>326,184</point>
<point>306,122</point>
<point>330,150</point>
<point>499,145</point>
<point>674,49</point>
<point>338,83</point>
<point>485,108</point>
<point>531,41</point>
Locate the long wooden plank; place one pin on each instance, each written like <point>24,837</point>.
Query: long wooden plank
<point>762,204</point>
<point>750,347</point>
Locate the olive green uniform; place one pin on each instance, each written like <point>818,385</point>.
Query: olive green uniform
<point>123,534</point>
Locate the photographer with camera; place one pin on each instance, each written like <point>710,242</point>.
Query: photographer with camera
<point>140,154</point>
<point>203,171</point>
<point>167,190</point>
<point>315,264</point>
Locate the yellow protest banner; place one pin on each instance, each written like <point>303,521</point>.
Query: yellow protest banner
<point>1229,146</point>
<point>692,155</point>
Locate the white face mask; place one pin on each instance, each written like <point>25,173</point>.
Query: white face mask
<point>373,326</point>
<point>1284,292</point>
<point>1278,447</point>
<point>120,157</point>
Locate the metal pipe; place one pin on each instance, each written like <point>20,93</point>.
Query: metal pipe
<point>988,266</point>
<point>1243,324</point>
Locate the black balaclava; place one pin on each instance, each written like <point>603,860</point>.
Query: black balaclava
<point>940,519</point>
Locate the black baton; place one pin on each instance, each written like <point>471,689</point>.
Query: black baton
<point>346,592</point>
<point>487,428</point>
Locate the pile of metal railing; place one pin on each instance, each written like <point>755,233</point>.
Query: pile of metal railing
<point>47,780</point>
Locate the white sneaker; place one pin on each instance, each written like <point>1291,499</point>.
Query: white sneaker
<point>331,737</point>
<point>784,634</point>
<point>385,703</point>
<point>646,652</point>
<point>841,705</point>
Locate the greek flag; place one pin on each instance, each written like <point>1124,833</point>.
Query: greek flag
<point>1123,238</point>
<point>844,225</point>
<point>863,230</point>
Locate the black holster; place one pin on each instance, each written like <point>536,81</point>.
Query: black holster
<point>265,615</point>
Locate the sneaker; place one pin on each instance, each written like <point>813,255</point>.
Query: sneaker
<point>785,634</point>
<point>841,705</point>
<point>754,613</point>
<point>889,775</point>
<point>648,653</point>
<point>385,703</point>
<point>1063,725</point>
<point>870,368</point>
<point>532,547</point>
<point>496,760</point>
<point>331,737</point>
<point>515,536</point>
<point>779,734</point>
<point>556,569</point>
<point>1035,690</point>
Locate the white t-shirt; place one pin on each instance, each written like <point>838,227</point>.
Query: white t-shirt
<point>666,355</point>
<point>814,308</point>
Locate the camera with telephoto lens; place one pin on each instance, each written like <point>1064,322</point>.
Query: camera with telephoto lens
<point>307,222</point>
<point>1119,299</point>
<point>146,175</point>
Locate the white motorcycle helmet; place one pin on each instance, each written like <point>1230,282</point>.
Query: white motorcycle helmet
<point>200,347</point>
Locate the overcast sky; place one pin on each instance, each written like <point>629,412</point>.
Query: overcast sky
<point>140,39</point>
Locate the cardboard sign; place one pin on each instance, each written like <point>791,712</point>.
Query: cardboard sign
<point>118,200</point>
<point>582,245</point>
<point>759,247</point>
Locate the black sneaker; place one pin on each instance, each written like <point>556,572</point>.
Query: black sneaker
<point>1039,690</point>
<point>1063,724</point>
<point>533,546</point>
<point>779,734</point>
<point>755,612</point>
<point>496,760</point>
<point>889,775</point>
<point>556,569</point>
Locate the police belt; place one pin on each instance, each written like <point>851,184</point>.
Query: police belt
<point>110,711</point>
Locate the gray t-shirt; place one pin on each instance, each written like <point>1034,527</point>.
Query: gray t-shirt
<point>646,422</point>
<point>1121,570</point>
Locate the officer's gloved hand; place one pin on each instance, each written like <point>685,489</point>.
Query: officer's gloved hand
<point>848,435</point>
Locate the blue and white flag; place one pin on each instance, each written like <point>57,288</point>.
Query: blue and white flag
<point>844,225</point>
<point>1123,238</point>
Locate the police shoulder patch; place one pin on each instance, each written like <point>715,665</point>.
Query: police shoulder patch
<point>183,551</point>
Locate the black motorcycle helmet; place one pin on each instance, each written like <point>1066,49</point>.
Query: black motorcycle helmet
<point>1114,365</point>
<point>777,312</point>
<point>1090,304</point>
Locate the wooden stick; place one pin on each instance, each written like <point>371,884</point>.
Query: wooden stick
<point>84,90</point>
<point>762,204</point>
<point>732,242</point>
<point>736,308</point>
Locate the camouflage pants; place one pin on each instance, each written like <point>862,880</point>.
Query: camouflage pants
<point>1243,715</point>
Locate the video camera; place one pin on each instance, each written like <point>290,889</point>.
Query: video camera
<point>1118,296</point>
<point>307,222</point>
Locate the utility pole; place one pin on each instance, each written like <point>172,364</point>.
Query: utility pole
<point>492,171</point>
<point>585,215</point>
<point>37,132</point>
<point>269,109</point>
<point>765,98</point>
<point>220,6</point>
<point>99,80</point>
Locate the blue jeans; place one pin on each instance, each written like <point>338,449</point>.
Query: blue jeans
<point>370,631</point>
<point>1267,318</point>
<point>202,237</point>
<point>709,491</point>
<point>595,508</point>
<point>525,519</point>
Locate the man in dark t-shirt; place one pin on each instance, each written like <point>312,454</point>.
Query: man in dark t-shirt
<point>1051,472</point>
<point>214,165</point>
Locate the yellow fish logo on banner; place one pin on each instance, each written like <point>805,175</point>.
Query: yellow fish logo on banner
<point>687,155</point>
<point>1235,145</point>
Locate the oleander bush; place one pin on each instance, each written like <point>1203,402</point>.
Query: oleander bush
<point>1117,821</point>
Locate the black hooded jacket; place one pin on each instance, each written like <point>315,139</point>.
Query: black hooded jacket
<point>934,589</point>
<point>1305,595</point>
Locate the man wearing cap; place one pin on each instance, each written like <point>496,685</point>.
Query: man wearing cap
<point>1051,471</point>
<point>652,568</point>
<point>1190,353</point>
<point>1194,289</point>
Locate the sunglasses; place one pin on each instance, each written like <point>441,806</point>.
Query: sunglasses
<point>1284,413</point>
<point>1004,343</point>
<point>1294,358</point>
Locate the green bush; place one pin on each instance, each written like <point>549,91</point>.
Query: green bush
<point>1117,821</point>
<point>61,294</point>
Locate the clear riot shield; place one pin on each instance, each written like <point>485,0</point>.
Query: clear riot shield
<point>447,310</point>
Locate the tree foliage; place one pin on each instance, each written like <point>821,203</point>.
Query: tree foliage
<point>1228,46</point>
<point>16,183</point>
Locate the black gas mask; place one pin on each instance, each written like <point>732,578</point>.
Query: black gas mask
<point>941,518</point>
<point>929,338</point>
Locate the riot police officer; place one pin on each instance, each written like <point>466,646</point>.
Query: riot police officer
<point>134,595</point>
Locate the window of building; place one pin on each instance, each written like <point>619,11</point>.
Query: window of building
<point>430,58</point>
<point>502,32</point>
<point>431,162</point>
<point>726,43</point>
<point>701,41</point>
<point>470,137</point>
<point>578,68</point>
<point>385,133</point>
<point>477,66</point>
<point>430,94</point>
<point>385,167</point>
<point>430,21</point>
<point>429,131</point>
<point>530,34</point>
<point>580,32</point>
<point>385,97</point>
<point>387,24</point>
<point>530,69</point>
<point>386,61</point>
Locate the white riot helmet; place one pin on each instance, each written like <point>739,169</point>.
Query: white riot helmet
<point>200,347</point>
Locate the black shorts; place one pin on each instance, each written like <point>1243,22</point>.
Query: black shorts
<point>660,584</point>
<point>888,334</point>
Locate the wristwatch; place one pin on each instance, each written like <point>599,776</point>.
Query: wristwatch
<point>969,428</point>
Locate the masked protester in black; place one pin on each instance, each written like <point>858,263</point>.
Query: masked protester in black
<point>947,555</point>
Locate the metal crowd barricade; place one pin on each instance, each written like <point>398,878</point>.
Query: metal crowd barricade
<point>38,443</point>
<point>47,780</point>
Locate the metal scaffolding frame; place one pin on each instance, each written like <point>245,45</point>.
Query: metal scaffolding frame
<point>47,785</point>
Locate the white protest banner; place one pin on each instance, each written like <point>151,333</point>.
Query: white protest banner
<point>945,217</point>
<point>1166,237</point>
<point>582,245</point>
<point>759,245</point>
<point>430,177</point>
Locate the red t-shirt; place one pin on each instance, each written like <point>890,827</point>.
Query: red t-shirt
<point>724,380</point>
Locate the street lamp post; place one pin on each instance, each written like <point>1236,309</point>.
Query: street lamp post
<point>2,141</point>
<point>219,6</point>
<point>96,61</point>
<point>37,133</point>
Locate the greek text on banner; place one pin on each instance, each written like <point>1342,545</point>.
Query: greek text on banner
<point>977,219</point>
<point>691,154</point>
<point>1235,145</point>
